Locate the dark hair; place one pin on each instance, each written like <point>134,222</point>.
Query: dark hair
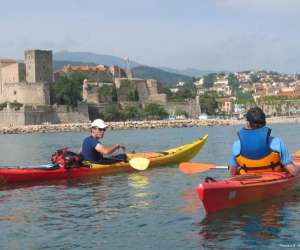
<point>256,117</point>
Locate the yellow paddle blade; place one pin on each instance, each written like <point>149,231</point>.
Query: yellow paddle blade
<point>139,163</point>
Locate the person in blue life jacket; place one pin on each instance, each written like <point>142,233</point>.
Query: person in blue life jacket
<point>257,150</point>
<point>92,148</point>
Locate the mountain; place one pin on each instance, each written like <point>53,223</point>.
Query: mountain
<point>188,71</point>
<point>88,57</point>
<point>160,75</point>
<point>78,58</point>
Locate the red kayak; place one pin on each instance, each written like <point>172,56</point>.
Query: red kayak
<point>231,192</point>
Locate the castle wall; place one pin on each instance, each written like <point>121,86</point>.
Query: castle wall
<point>152,86</point>
<point>191,108</point>
<point>27,93</point>
<point>124,86</point>
<point>13,73</point>
<point>158,98</point>
<point>11,118</point>
<point>29,115</point>
<point>95,110</point>
<point>99,73</point>
<point>280,107</point>
<point>92,94</point>
<point>4,63</point>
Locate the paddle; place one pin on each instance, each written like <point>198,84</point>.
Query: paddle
<point>195,167</point>
<point>139,163</point>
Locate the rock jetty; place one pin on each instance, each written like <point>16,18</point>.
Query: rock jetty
<point>80,127</point>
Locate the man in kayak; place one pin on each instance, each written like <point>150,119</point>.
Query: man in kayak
<point>93,150</point>
<point>256,150</point>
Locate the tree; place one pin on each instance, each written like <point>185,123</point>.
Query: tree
<point>154,111</point>
<point>208,102</point>
<point>209,80</point>
<point>166,91</point>
<point>105,93</point>
<point>244,98</point>
<point>254,78</point>
<point>112,113</point>
<point>233,82</point>
<point>188,91</point>
<point>131,113</point>
<point>108,93</point>
<point>68,89</point>
<point>114,95</point>
<point>133,95</point>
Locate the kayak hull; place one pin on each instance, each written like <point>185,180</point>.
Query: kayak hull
<point>170,156</point>
<point>238,190</point>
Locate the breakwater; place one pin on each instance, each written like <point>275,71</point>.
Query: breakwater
<point>79,127</point>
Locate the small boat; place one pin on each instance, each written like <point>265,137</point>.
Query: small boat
<point>55,172</point>
<point>241,189</point>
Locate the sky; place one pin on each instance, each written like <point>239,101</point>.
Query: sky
<point>202,34</point>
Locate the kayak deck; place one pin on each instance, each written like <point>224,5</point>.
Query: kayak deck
<point>170,156</point>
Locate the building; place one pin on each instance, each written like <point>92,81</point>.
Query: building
<point>27,83</point>
<point>39,66</point>
<point>96,73</point>
<point>25,92</point>
<point>226,105</point>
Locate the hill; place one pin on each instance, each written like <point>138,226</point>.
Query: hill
<point>78,58</point>
<point>88,57</point>
<point>164,77</point>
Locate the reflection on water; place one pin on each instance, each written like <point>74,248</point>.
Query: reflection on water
<point>140,183</point>
<point>260,224</point>
<point>154,209</point>
<point>191,204</point>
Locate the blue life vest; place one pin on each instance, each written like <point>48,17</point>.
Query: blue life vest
<point>255,143</point>
<point>256,153</point>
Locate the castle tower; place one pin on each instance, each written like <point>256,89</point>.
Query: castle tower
<point>4,63</point>
<point>85,87</point>
<point>39,66</point>
<point>129,72</point>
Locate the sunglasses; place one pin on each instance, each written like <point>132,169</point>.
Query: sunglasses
<point>100,129</point>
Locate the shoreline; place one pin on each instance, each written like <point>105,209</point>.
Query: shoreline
<point>82,127</point>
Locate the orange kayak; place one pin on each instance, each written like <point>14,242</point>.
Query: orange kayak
<point>237,190</point>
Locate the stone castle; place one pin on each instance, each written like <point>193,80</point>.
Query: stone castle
<point>113,76</point>
<point>29,82</point>
<point>100,75</point>
<point>25,92</point>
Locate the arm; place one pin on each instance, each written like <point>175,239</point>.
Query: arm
<point>108,150</point>
<point>233,166</point>
<point>292,168</point>
<point>233,170</point>
<point>285,158</point>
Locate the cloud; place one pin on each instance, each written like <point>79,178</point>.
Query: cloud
<point>275,5</point>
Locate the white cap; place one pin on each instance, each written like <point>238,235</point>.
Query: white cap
<point>98,123</point>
